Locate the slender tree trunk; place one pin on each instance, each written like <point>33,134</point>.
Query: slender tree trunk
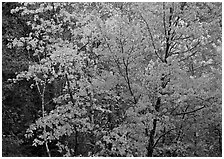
<point>43,113</point>
<point>76,143</point>
<point>47,148</point>
<point>150,147</point>
<point>73,102</point>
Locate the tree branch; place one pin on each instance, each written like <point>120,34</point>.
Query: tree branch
<point>151,37</point>
<point>192,111</point>
<point>128,82</point>
<point>187,49</point>
<point>168,36</point>
<point>188,56</point>
<point>164,18</point>
<point>162,136</point>
<point>43,112</point>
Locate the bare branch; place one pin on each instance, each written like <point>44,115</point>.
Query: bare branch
<point>168,36</point>
<point>151,37</point>
<point>119,68</point>
<point>164,18</point>
<point>192,111</point>
<point>162,136</point>
<point>128,81</point>
<point>188,49</point>
<point>182,38</point>
<point>188,56</point>
<point>171,47</point>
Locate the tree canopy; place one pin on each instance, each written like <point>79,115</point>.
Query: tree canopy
<point>112,79</point>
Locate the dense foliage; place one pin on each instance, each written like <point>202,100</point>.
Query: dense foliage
<point>112,79</point>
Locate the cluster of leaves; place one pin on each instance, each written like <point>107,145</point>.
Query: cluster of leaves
<point>127,79</point>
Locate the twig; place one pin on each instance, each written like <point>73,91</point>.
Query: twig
<point>192,111</point>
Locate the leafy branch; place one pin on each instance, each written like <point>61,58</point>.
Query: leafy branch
<point>150,34</point>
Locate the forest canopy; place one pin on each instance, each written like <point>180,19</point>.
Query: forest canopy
<point>118,79</point>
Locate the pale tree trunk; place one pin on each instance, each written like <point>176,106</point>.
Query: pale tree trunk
<point>42,94</point>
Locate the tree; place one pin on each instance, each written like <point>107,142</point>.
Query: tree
<point>129,79</point>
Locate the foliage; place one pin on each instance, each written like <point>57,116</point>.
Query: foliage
<point>124,79</point>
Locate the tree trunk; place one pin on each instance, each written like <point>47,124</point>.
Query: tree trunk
<point>150,147</point>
